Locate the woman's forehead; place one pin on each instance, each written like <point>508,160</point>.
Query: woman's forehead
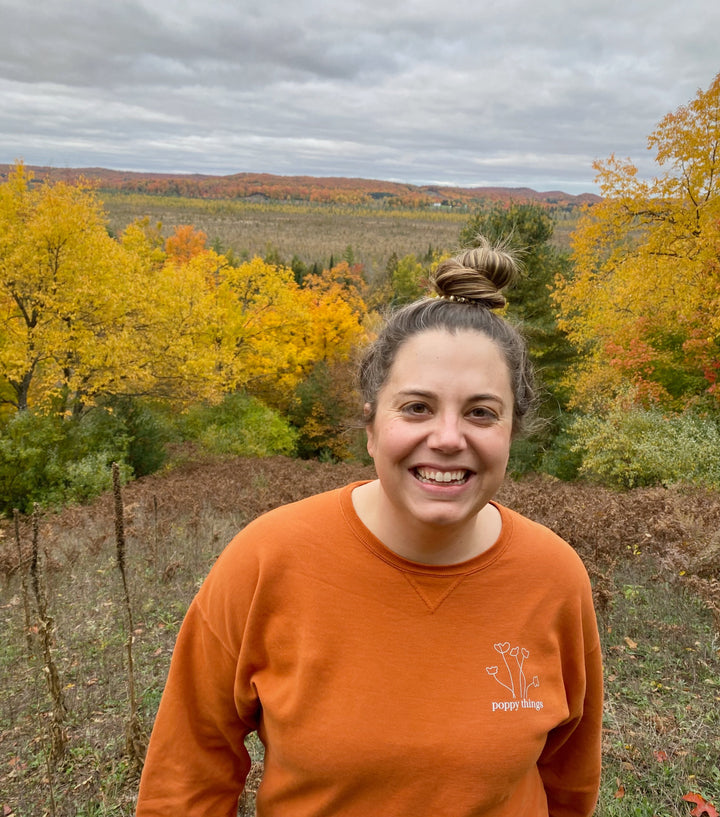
<point>437,359</point>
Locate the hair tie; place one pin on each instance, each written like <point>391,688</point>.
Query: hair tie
<point>461,299</point>
<point>458,299</point>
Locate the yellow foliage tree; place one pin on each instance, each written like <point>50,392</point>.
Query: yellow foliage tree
<point>325,401</point>
<point>85,317</point>
<point>642,304</point>
<point>176,337</point>
<point>59,294</point>
<point>262,330</point>
<point>337,310</point>
<point>270,332</point>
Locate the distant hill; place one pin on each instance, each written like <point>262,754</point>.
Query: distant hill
<point>268,187</point>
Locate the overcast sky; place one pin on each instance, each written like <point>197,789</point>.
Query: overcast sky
<point>467,92</point>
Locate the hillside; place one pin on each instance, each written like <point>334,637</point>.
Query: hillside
<point>321,190</point>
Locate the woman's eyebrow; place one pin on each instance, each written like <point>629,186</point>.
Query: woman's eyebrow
<point>483,396</point>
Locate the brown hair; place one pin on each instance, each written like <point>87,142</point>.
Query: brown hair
<point>468,286</point>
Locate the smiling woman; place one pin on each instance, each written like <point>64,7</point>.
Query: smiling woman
<point>405,645</point>
<point>447,385</point>
<point>440,439</point>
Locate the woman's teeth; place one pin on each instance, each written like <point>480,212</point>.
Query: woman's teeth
<point>443,477</point>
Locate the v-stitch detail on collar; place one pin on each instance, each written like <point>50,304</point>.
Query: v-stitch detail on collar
<point>433,590</point>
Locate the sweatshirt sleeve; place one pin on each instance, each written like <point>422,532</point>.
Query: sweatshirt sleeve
<point>197,763</point>
<point>571,760</point>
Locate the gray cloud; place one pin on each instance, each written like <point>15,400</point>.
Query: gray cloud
<point>492,93</point>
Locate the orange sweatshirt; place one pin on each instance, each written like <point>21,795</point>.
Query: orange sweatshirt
<point>380,686</point>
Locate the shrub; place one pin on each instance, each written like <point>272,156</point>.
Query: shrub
<point>524,457</point>
<point>640,447</point>
<point>324,403</point>
<point>239,425</point>
<point>547,450</point>
<point>560,458</point>
<point>80,480</point>
<point>53,460</point>
<point>148,429</point>
<point>26,441</point>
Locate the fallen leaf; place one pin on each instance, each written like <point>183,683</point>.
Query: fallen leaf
<point>620,793</point>
<point>632,644</point>
<point>702,807</point>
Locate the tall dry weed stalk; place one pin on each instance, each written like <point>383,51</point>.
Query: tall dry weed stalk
<point>58,736</point>
<point>135,737</point>
<point>24,585</point>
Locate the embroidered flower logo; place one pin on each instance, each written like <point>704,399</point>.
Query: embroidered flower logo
<point>514,670</point>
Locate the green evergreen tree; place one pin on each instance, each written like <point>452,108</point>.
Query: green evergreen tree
<point>528,229</point>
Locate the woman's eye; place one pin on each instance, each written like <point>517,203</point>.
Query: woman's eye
<point>482,413</point>
<point>415,409</point>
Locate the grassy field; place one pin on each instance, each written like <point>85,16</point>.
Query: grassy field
<point>311,233</point>
<point>651,553</point>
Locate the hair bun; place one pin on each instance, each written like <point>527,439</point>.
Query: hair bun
<point>477,275</point>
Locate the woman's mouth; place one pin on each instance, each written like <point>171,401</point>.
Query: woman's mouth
<point>430,476</point>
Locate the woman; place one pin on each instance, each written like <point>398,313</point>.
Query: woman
<point>404,646</point>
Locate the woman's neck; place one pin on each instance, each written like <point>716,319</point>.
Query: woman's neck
<point>422,542</point>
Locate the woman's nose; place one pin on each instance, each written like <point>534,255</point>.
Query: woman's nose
<point>447,434</point>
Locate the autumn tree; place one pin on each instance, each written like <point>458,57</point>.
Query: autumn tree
<point>408,279</point>
<point>261,330</point>
<point>336,299</point>
<point>642,305</point>
<point>218,328</point>
<point>176,347</point>
<point>71,302</point>
<point>61,294</point>
<point>86,318</point>
<point>325,399</point>
<point>185,243</point>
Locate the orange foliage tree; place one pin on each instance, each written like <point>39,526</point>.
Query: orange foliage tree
<point>185,243</point>
<point>642,304</point>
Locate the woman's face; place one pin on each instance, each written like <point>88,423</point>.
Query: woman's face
<point>442,429</point>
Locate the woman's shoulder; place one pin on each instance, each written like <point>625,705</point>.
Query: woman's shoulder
<point>314,510</point>
<point>273,545</point>
<point>550,568</point>
<point>281,529</point>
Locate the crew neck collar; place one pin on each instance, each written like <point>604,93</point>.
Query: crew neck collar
<point>379,549</point>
